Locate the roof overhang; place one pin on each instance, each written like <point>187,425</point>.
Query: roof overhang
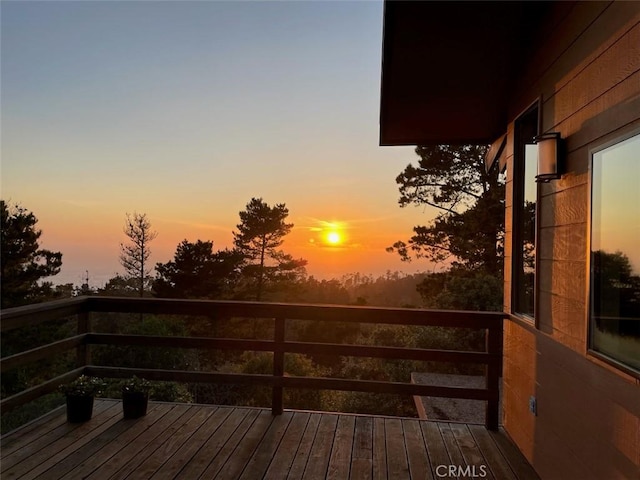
<point>447,69</point>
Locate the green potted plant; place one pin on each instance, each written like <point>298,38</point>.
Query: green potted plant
<point>135,397</point>
<point>80,394</point>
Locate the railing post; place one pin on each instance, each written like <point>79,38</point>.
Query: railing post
<point>494,348</point>
<point>83,352</point>
<point>278,366</point>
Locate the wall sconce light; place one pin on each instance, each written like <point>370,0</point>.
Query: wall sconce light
<point>549,157</point>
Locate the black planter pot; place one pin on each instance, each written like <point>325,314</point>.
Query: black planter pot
<point>134,404</point>
<point>79,408</point>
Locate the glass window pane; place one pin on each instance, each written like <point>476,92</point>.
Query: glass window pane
<point>615,252</point>
<point>525,194</point>
<point>528,222</point>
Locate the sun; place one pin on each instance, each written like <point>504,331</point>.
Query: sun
<point>333,238</point>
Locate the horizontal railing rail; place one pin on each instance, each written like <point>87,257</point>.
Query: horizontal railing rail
<point>39,390</point>
<point>35,314</point>
<point>82,307</point>
<point>41,353</point>
<point>333,349</point>
<point>312,383</point>
<point>291,311</point>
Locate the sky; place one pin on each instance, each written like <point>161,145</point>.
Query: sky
<point>616,200</point>
<point>187,110</point>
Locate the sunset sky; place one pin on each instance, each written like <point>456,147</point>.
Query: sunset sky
<point>185,111</point>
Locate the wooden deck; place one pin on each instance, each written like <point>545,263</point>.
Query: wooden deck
<point>202,441</point>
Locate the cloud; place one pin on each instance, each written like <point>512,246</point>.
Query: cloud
<point>316,225</point>
<point>195,225</point>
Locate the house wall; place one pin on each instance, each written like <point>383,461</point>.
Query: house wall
<point>585,73</point>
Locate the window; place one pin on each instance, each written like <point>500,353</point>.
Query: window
<point>615,253</point>
<point>524,208</point>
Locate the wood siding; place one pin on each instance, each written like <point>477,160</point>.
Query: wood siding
<point>586,73</point>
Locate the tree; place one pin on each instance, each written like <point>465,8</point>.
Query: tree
<point>469,227</point>
<point>260,232</point>
<point>23,266</point>
<point>460,289</point>
<point>616,291</point>
<point>324,291</point>
<point>296,365</point>
<point>197,272</point>
<point>134,256</point>
<point>24,263</point>
<point>120,286</point>
<point>468,230</point>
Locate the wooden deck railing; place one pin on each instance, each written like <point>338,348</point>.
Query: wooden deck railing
<point>82,307</point>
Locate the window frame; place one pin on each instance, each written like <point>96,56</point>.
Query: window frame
<point>518,194</point>
<point>594,354</point>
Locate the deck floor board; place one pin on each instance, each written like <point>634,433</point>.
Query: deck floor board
<point>340,461</point>
<point>379,460</point>
<point>416,451</point>
<point>134,428</point>
<point>397,465</point>
<point>180,441</point>
<point>282,459</point>
<point>304,448</point>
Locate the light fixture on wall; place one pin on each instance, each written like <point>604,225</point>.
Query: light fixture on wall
<point>549,156</point>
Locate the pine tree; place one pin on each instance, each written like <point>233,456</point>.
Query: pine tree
<point>260,232</point>
<point>134,256</point>
<point>24,263</point>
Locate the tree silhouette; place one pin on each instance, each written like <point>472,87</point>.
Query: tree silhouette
<point>135,254</point>
<point>260,232</point>
<point>615,292</point>
<point>24,263</point>
<point>468,231</point>
<point>469,227</point>
<point>197,272</point>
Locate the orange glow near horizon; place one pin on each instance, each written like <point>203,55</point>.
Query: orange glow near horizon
<point>328,234</point>
<point>90,241</point>
<point>190,167</point>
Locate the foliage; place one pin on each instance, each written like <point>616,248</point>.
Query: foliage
<point>171,392</point>
<point>28,337</point>
<point>462,289</point>
<point>616,293</point>
<point>120,286</point>
<point>528,236</point>
<point>135,255</point>
<point>378,369</point>
<point>136,385</point>
<point>197,272</point>
<point>24,263</point>
<point>140,356</point>
<point>158,390</point>
<point>83,386</point>
<point>320,331</point>
<point>443,338</point>
<point>294,365</point>
<point>257,268</point>
<point>67,290</point>
<point>367,403</point>
<point>323,291</point>
<point>260,232</point>
<point>30,411</point>
<point>393,289</point>
<point>468,230</point>
<point>470,226</point>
